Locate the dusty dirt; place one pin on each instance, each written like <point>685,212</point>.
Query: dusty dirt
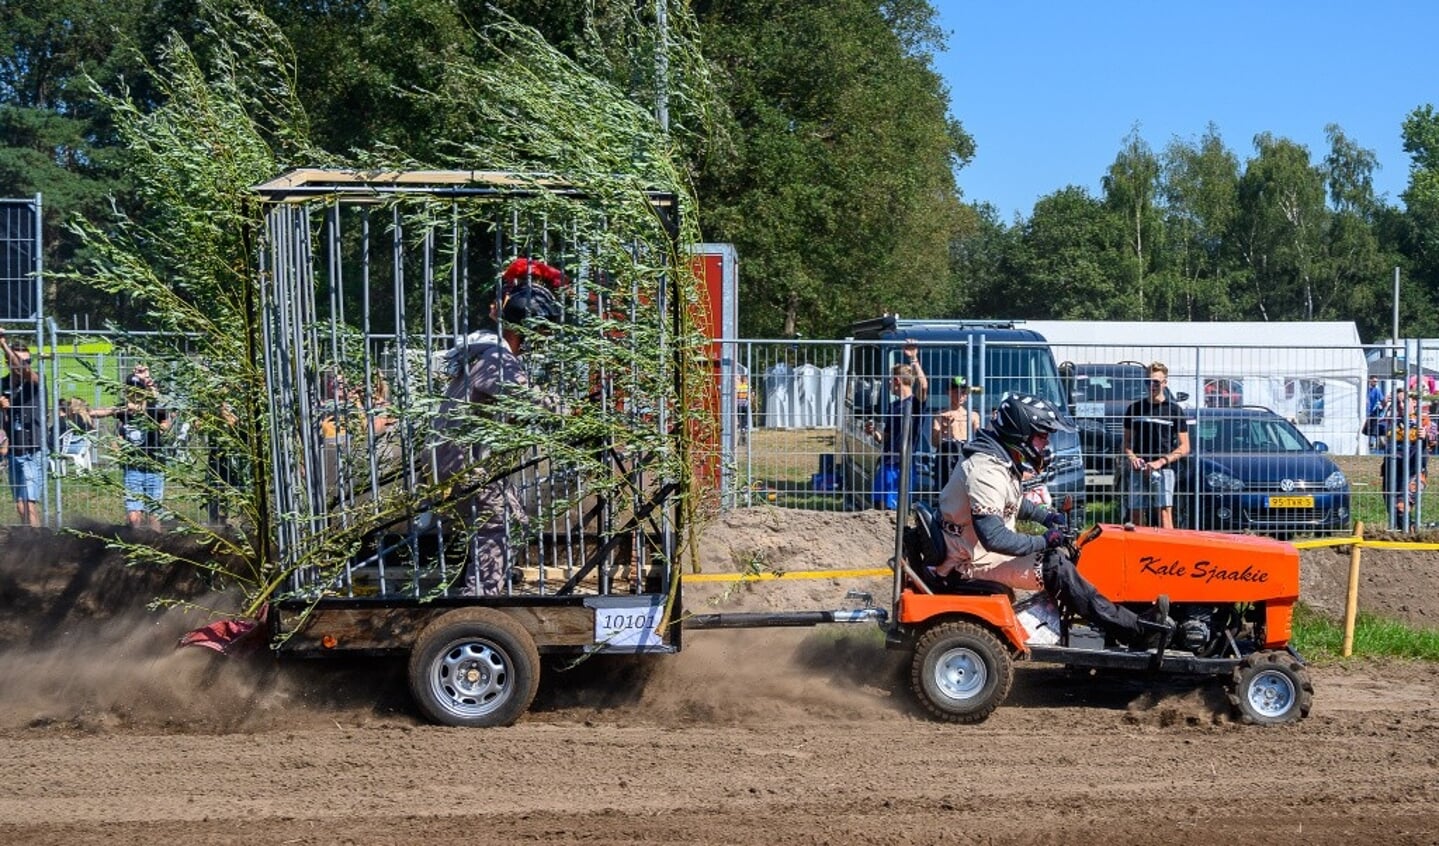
<point>763,737</point>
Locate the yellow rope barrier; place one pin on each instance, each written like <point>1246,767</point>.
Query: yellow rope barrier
<point>786,576</point>
<point>1359,541</point>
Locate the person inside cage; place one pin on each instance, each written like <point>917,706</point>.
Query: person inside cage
<point>346,406</point>
<point>484,367</point>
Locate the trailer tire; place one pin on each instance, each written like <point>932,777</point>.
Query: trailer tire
<point>960,672</point>
<point>475,667</point>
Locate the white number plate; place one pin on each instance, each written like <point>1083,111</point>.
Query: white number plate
<point>628,627</point>
<point>1089,409</point>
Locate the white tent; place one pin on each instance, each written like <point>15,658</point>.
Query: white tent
<point>1312,373</point>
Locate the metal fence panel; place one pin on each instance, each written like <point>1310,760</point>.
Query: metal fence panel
<point>1278,437</point>
<point>20,259</point>
<point>792,418</point>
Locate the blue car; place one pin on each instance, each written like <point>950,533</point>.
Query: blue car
<point>1251,470</point>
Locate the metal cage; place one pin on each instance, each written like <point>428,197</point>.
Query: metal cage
<point>369,284</point>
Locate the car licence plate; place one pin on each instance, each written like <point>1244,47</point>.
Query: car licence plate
<point>1291,502</point>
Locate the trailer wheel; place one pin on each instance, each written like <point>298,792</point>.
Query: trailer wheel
<point>961,672</point>
<point>1271,689</point>
<point>475,667</point>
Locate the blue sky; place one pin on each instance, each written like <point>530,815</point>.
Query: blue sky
<point>1049,90</point>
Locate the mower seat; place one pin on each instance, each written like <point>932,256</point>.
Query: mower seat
<point>974,587</point>
<point>979,587</point>
<point>956,585</point>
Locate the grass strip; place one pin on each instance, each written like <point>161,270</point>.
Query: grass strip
<point>1318,636</point>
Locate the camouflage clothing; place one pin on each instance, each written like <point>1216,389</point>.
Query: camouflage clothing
<point>483,367</point>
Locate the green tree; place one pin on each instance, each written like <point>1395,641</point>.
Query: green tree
<point>1068,263</point>
<point>1200,187</point>
<point>837,186</point>
<point>359,60</point>
<point>53,139</point>
<point>187,259</point>
<point>1279,231</point>
<point>223,125</point>
<point>1357,269</point>
<point>1421,196</point>
<point>1131,190</point>
<point>982,257</point>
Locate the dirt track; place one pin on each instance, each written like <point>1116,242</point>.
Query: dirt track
<point>744,738</point>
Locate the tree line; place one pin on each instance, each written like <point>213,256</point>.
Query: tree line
<point>818,138</point>
<point>1194,233</point>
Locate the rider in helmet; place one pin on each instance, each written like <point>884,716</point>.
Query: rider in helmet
<point>984,498</point>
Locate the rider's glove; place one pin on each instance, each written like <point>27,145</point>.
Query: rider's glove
<point>1055,519</point>
<point>1053,539</point>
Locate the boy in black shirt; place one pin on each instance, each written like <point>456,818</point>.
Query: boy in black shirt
<point>20,400</point>
<point>1155,438</point>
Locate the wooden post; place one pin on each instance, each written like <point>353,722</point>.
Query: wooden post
<point>1351,600</point>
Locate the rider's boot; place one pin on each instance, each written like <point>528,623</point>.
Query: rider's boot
<point>1155,626</point>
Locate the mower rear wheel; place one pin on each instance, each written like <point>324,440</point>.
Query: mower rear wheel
<point>474,667</point>
<point>1271,688</point>
<point>960,672</point>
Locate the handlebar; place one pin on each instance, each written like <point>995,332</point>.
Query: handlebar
<point>1076,538</point>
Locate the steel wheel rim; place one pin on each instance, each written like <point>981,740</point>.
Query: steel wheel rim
<point>1271,694</point>
<point>960,673</point>
<point>471,678</point>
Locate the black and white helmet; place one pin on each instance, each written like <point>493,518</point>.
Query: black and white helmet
<point>1021,416</point>
<point>529,304</point>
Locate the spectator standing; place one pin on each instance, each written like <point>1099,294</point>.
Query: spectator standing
<point>910,388</point>
<point>952,428</point>
<point>20,401</point>
<point>741,396</point>
<point>77,416</point>
<point>1404,472</point>
<point>142,423</point>
<point>1374,414</point>
<point>1155,437</point>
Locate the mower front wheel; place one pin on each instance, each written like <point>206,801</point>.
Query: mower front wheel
<point>961,672</point>
<point>1271,688</point>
